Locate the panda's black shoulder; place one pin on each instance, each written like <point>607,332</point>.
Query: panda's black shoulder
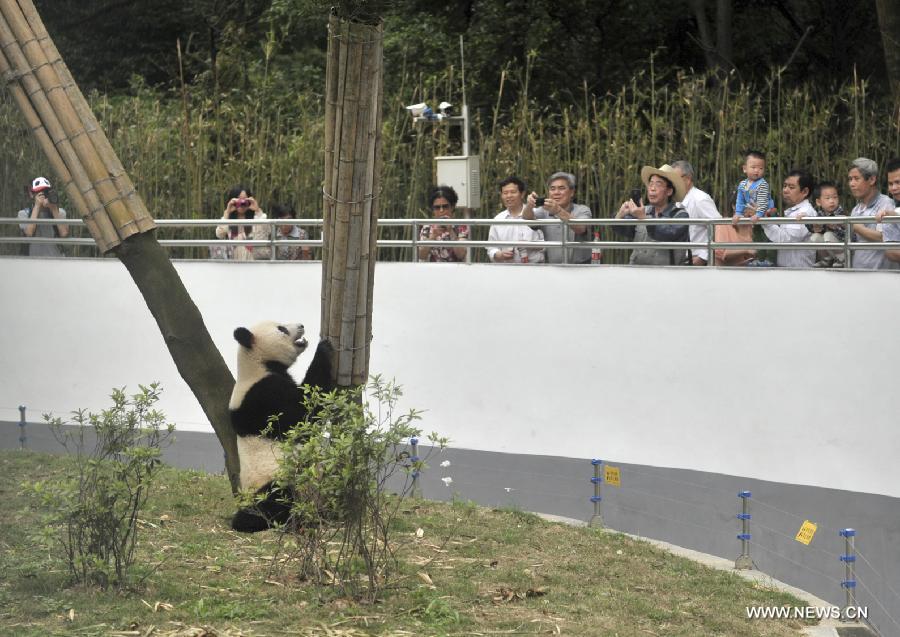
<point>275,393</point>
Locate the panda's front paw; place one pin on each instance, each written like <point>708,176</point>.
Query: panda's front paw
<point>301,344</point>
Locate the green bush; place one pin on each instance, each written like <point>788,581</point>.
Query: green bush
<point>92,516</point>
<point>341,466</point>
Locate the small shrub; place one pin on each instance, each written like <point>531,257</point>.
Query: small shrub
<point>340,465</point>
<point>93,515</point>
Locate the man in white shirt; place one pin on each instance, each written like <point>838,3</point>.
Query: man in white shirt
<point>512,193</point>
<point>796,190</point>
<point>699,206</point>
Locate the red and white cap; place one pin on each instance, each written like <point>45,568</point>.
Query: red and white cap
<point>39,184</point>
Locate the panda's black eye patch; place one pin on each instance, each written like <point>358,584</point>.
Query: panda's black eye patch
<point>282,328</point>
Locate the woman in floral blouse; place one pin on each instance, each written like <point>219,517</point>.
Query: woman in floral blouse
<point>442,201</point>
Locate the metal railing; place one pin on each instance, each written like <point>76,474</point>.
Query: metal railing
<point>273,242</point>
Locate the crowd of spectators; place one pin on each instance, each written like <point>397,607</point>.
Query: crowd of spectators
<point>669,192</point>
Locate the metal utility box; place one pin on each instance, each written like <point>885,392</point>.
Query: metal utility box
<point>463,173</point>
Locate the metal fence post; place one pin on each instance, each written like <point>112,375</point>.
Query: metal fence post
<point>743,562</point>
<point>416,491</point>
<point>596,519</point>
<point>22,437</point>
<point>848,234</point>
<point>849,581</point>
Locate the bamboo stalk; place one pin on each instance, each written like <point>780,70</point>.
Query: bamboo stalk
<point>15,59</point>
<point>353,110</point>
<point>46,144</point>
<point>363,335</point>
<point>84,148</point>
<point>120,178</point>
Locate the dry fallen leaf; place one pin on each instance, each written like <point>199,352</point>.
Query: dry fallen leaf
<point>425,577</point>
<point>71,615</point>
<point>420,532</point>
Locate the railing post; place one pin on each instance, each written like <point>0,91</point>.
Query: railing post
<point>847,236</point>
<point>415,240</point>
<point>743,562</point>
<point>710,233</point>
<point>22,437</point>
<point>416,491</point>
<point>596,519</point>
<point>849,581</point>
<point>565,240</point>
<point>272,238</point>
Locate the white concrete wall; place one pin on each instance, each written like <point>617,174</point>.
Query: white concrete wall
<point>778,375</point>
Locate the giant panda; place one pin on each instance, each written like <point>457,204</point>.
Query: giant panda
<point>264,388</point>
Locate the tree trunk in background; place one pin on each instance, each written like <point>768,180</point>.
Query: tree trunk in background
<point>889,24</point>
<point>353,94</point>
<point>718,48</point>
<point>725,33</point>
<point>93,177</point>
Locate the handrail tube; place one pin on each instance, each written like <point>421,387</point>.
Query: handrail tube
<point>416,222</point>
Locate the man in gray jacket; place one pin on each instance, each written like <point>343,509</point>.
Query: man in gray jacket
<point>560,204</point>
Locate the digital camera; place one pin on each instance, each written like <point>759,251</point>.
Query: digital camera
<point>539,201</point>
<point>243,202</point>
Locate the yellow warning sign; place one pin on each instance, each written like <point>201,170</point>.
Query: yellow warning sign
<point>611,476</point>
<point>806,532</point>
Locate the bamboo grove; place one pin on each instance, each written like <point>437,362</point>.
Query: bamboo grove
<point>184,148</point>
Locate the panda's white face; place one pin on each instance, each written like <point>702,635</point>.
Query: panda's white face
<point>266,342</point>
<point>273,342</point>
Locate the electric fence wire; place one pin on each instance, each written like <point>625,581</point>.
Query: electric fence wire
<point>570,478</point>
<point>509,490</point>
<point>698,505</point>
<point>623,507</point>
<point>814,571</point>
<point>874,598</point>
<point>759,525</point>
<point>880,577</point>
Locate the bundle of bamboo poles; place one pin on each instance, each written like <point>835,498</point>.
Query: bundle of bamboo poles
<point>66,130</point>
<point>353,93</point>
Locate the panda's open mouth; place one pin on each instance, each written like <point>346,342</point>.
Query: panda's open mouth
<point>301,343</point>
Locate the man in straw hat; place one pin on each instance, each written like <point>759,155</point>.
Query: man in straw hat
<point>665,188</point>
<point>43,206</point>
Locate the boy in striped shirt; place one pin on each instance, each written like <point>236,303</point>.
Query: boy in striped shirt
<point>753,198</point>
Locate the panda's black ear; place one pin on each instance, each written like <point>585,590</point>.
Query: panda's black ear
<point>244,336</point>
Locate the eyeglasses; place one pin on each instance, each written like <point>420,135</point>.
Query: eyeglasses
<point>441,206</point>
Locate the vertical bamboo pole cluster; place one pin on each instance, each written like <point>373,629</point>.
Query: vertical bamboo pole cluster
<point>353,93</point>
<point>66,130</point>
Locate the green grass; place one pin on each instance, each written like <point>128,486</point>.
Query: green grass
<point>472,571</point>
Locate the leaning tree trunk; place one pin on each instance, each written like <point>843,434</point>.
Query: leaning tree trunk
<point>353,93</point>
<point>97,185</point>
<point>889,24</point>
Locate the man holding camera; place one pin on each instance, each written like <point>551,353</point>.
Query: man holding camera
<point>559,204</point>
<point>44,205</point>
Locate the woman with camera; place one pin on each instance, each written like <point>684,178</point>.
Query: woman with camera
<point>239,204</point>
<point>442,201</point>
